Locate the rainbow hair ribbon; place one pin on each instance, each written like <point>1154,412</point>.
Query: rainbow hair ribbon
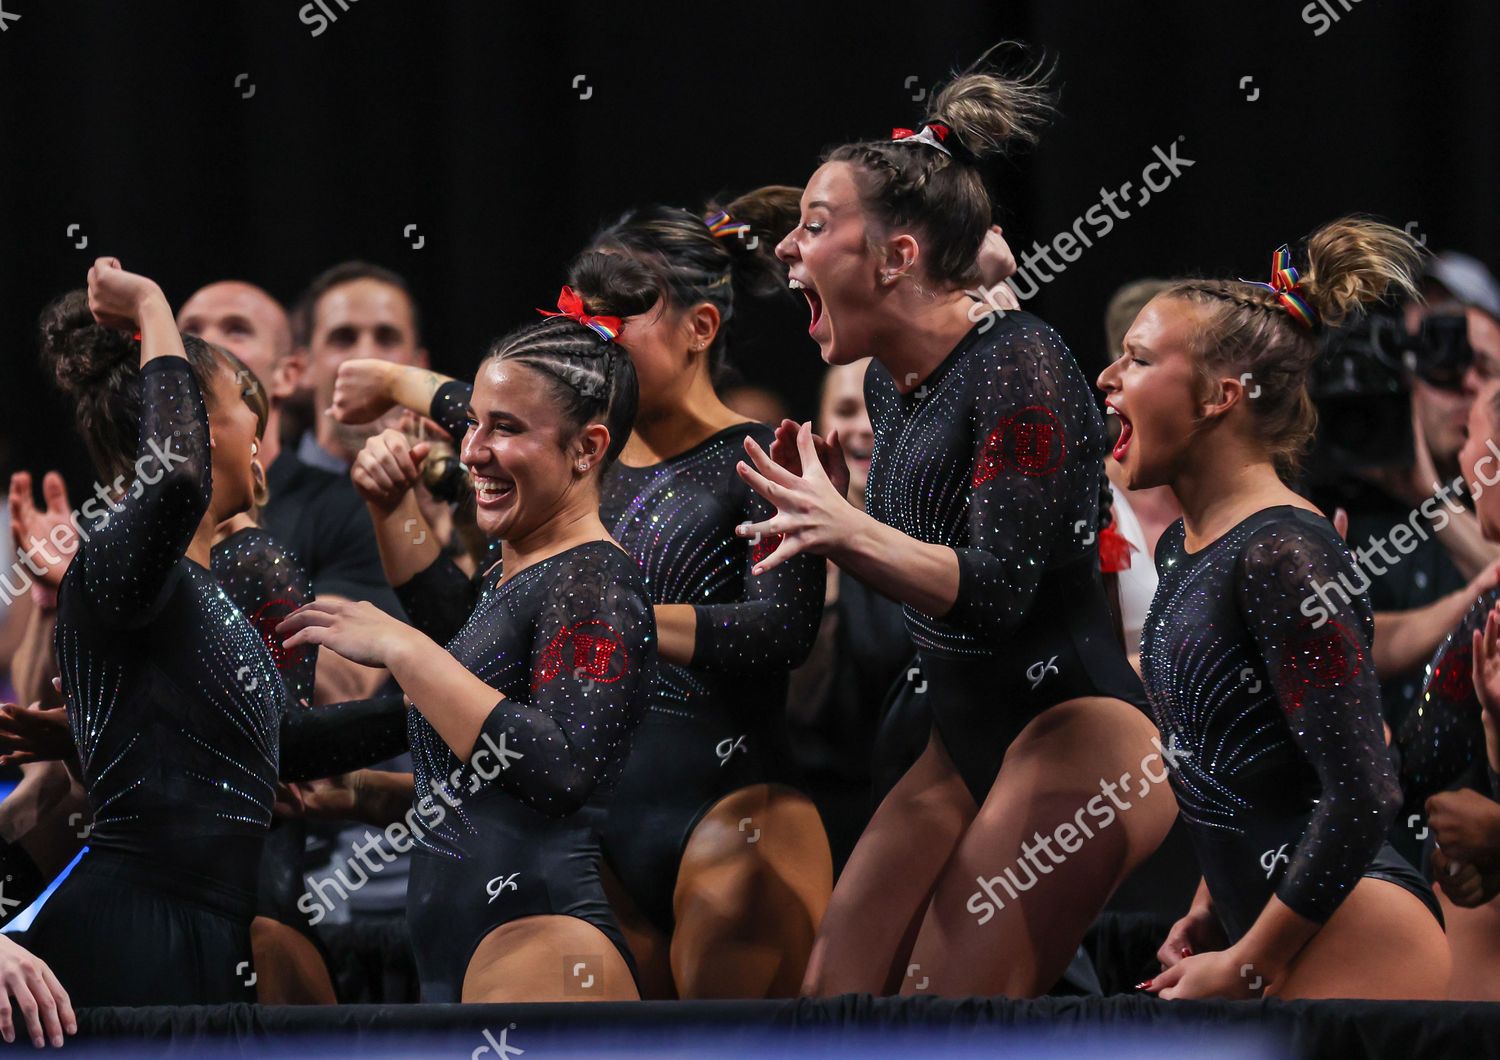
<point>1285,283</point>
<point>570,305</point>
<point>720,224</point>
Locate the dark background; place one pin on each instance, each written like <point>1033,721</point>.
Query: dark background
<point>463,118</point>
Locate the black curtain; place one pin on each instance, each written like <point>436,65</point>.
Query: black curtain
<point>470,121</point>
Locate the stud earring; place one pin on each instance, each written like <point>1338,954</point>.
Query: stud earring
<point>583,465</point>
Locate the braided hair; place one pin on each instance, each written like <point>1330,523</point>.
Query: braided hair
<point>1246,330</point>
<point>592,378</point>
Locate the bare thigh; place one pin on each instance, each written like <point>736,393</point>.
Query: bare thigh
<point>1045,851</point>
<point>289,970</point>
<point>1474,944</point>
<point>651,948</point>
<point>880,897</point>
<point>751,891</point>
<point>547,958</point>
<point>1381,943</point>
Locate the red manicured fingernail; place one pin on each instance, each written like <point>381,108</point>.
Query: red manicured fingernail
<point>1187,951</point>
<point>1146,985</point>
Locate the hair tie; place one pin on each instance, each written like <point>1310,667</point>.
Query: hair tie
<point>932,133</point>
<point>570,305</point>
<point>1286,285</point>
<point>720,224</point>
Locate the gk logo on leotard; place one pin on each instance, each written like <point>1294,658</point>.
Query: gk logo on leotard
<point>500,884</point>
<point>1039,670</point>
<point>728,747</point>
<point>589,647</point>
<point>1271,858</point>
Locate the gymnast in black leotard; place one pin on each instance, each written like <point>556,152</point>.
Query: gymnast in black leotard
<point>174,702</point>
<point>1283,774</point>
<point>1258,662</point>
<point>1441,739</point>
<point>511,793</point>
<point>708,842</point>
<point>998,454</point>
<point>176,707</point>
<point>983,509</point>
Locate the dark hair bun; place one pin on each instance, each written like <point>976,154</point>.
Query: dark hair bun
<point>771,212</point>
<point>613,284</point>
<point>80,353</point>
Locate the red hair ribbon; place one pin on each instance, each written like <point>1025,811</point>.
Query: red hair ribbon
<point>570,305</point>
<point>932,134</point>
<point>1114,551</point>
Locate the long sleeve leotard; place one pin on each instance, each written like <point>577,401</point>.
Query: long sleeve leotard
<point>718,724</point>
<point>570,643</point>
<point>1273,708</point>
<point>998,454</point>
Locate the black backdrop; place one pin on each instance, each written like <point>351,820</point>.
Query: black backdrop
<point>465,119</point>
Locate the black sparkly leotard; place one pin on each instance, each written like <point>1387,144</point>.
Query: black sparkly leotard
<point>180,718</point>
<point>267,583</point>
<point>719,724</point>
<point>998,454</point>
<point>1283,776</point>
<point>1442,738</point>
<point>571,643</point>
<point>176,710</point>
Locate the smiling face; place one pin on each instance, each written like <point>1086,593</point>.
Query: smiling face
<point>830,259</point>
<point>843,409</point>
<point>1478,461</point>
<point>522,452</point>
<point>1152,387</point>
<point>231,426</point>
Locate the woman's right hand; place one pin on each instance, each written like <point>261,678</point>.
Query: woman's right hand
<point>331,798</point>
<point>1198,932</point>
<point>362,390</point>
<point>41,998</point>
<point>116,296</point>
<point>387,468</point>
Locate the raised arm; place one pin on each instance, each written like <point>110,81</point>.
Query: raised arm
<point>128,558</point>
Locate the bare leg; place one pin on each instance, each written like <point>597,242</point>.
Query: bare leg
<point>547,958</point>
<point>754,882</point>
<point>1381,943</point>
<point>1037,834</point>
<point>1474,943</point>
<point>882,894</point>
<point>650,948</point>
<point>289,970</point>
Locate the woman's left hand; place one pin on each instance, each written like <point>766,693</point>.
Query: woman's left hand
<point>1222,974</point>
<point>811,514</point>
<point>357,630</point>
<point>31,734</point>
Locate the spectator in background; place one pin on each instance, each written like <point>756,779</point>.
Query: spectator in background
<point>1445,560</point>
<point>253,326</point>
<point>353,309</point>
